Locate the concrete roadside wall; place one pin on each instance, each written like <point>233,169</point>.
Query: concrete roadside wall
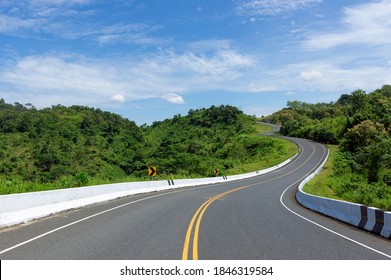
<point>20,208</point>
<point>367,218</point>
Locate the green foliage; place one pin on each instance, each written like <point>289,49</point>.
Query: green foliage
<point>361,124</point>
<point>54,144</point>
<point>62,147</point>
<point>350,180</point>
<point>198,143</point>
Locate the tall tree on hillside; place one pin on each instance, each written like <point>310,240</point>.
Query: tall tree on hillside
<point>362,135</point>
<point>369,142</point>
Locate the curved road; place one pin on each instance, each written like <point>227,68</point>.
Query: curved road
<point>256,218</point>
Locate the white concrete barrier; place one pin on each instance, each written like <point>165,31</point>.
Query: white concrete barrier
<point>386,231</point>
<point>368,218</point>
<point>20,208</point>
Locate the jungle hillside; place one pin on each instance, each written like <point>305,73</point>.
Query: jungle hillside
<point>65,147</point>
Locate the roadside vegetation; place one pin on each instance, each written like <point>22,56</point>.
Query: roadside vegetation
<point>359,124</point>
<point>65,147</point>
<point>321,184</point>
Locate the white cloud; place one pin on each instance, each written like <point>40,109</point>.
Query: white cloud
<point>312,75</point>
<point>118,98</point>
<point>173,98</point>
<point>271,7</point>
<point>368,24</point>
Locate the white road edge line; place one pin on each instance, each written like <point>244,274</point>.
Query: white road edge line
<point>323,227</point>
<point>81,220</point>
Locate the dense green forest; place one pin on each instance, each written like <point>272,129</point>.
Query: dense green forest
<point>62,147</point>
<point>360,123</point>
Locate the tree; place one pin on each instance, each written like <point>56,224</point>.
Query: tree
<point>363,134</point>
<point>374,158</point>
<point>385,90</point>
<point>360,105</point>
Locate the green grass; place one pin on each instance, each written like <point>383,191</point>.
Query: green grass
<point>270,160</point>
<point>320,184</point>
<point>262,128</point>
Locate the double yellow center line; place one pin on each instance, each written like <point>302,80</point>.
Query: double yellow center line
<point>198,216</point>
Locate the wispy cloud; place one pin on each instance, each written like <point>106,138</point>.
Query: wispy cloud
<point>9,24</point>
<point>62,75</point>
<point>368,24</point>
<point>21,18</point>
<point>271,7</point>
<point>75,19</point>
<point>39,7</point>
<point>357,51</point>
<point>168,75</point>
<point>135,33</point>
<point>262,87</point>
<point>224,62</point>
<point>332,76</point>
<point>210,45</point>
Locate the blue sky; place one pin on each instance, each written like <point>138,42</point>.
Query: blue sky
<point>151,60</point>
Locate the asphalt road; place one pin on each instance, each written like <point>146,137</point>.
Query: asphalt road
<point>256,218</point>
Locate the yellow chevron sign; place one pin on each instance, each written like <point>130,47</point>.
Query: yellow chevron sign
<point>152,171</point>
